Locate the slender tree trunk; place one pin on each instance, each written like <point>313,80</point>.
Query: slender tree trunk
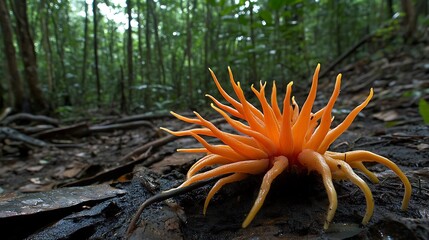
<point>176,80</point>
<point>389,9</point>
<point>59,43</point>
<point>189,79</point>
<point>46,44</point>
<point>9,49</point>
<point>85,53</point>
<point>253,64</point>
<point>28,54</point>
<point>140,42</point>
<point>208,44</point>
<point>422,8</point>
<point>337,28</point>
<point>112,43</point>
<point>130,54</point>
<point>410,19</point>
<point>278,40</point>
<point>158,43</point>
<point>217,50</point>
<point>96,69</point>
<point>148,93</point>
<point>122,90</point>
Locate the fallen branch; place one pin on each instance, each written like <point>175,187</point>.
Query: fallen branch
<point>5,113</point>
<point>137,156</point>
<point>30,117</point>
<point>161,141</point>
<point>144,116</point>
<point>80,129</point>
<point>346,54</point>
<point>9,133</point>
<point>166,195</point>
<point>14,135</point>
<point>118,126</point>
<point>109,174</point>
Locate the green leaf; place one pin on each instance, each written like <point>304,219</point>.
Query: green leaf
<point>424,110</point>
<point>242,20</point>
<point>211,2</point>
<point>275,4</point>
<point>266,16</point>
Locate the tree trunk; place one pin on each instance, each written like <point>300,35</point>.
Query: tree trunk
<point>96,69</point>
<point>140,43</point>
<point>148,93</point>
<point>253,64</point>
<point>158,42</point>
<point>175,77</point>
<point>337,29</point>
<point>28,54</point>
<point>189,79</point>
<point>85,53</point>
<point>122,90</point>
<point>389,9</point>
<point>410,19</point>
<point>208,44</point>
<point>130,54</point>
<point>46,44</point>
<point>63,84</point>
<point>422,8</point>
<point>9,49</point>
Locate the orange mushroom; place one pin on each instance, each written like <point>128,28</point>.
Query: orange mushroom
<point>270,140</point>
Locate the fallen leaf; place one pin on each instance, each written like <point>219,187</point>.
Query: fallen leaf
<point>36,180</point>
<point>34,168</point>
<point>32,203</point>
<point>44,162</point>
<point>34,188</point>
<point>422,146</point>
<point>72,170</point>
<point>176,159</point>
<point>387,116</point>
<point>81,154</point>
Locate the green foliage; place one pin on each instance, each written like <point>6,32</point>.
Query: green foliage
<point>388,29</point>
<point>276,4</point>
<point>424,110</point>
<point>265,40</point>
<point>65,112</point>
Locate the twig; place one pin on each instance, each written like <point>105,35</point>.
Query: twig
<point>166,195</point>
<point>111,173</point>
<point>118,126</point>
<point>162,141</point>
<point>346,54</point>
<point>79,129</point>
<point>31,117</point>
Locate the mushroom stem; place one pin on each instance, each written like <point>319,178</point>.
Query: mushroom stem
<point>315,161</point>
<point>280,163</point>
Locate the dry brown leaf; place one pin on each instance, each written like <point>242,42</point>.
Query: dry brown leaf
<point>177,159</point>
<point>74,169</point>
<point>390,115</point>
<point>34,168</point>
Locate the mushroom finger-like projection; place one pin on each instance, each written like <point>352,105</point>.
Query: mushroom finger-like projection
<point>271,140</point>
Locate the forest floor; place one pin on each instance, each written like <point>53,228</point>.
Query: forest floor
<point>296,206</point>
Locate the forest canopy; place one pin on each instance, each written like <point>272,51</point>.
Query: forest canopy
<point>137,55</point>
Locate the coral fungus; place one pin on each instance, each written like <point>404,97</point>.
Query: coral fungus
<point>270,140</point>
